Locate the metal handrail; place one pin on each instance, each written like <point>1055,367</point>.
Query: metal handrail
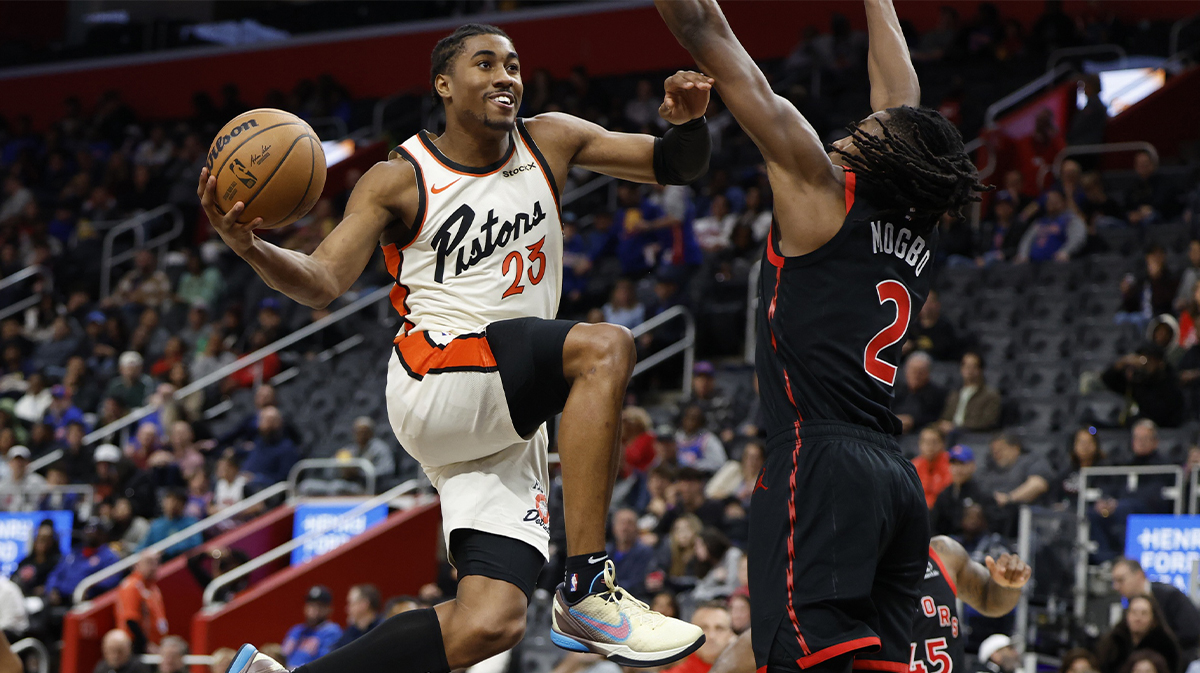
<point>1090,495</point>
<point>188,659</point>
<point>1067,52</point>
<point>37,646</point>
<point>686,345</point>
<point>1025,552</point>
<point>27,272</point>
<point>1103,148</point>
<point>134,224</point>
<point>363,464</point>
<point>1176,29</point>
<point>1015,98</point>
<point>172,540</point>
<point>85,490</point>
<point>587,188</point>
<point>282,550</point>
<point>33,299</point>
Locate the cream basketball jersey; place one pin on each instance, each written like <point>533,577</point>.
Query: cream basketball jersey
<point>487,243</point>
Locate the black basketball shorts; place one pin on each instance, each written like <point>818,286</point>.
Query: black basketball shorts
<point>839,539</point>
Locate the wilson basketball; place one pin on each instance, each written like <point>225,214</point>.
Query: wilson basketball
<point>271,161</point>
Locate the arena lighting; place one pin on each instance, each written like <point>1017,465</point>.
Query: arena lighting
<point>337,150</point>
<point>1119,89</point>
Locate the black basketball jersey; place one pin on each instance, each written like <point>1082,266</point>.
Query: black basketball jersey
<point>936,647</point>
<point>831,323</point>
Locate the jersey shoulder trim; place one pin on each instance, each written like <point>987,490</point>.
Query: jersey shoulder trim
<point>851,181</point>
<point>933,555</point>
<point>455,167</point>
<point>419,217</point>
<point>541,160</point>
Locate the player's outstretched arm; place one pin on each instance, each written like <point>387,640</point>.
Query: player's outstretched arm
<point>893,80</point>
<point>782,134</point>
<point>316,280</point>
<point>993,590</point>
<point>9,661</point>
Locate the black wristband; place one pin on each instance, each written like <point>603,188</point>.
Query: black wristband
<point>681,155</point>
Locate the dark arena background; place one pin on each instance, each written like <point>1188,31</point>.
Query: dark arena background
<point>1049,391</point>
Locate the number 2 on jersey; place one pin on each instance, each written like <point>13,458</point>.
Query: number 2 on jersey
<point>935,653</point>
<point>537,259</point>
<point>895,292</point>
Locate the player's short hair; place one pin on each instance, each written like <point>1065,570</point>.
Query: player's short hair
<point>447,48</point>
<point>918,164</point>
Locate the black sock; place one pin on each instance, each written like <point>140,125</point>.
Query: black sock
<point>410,641</point>
<point>584,575</point>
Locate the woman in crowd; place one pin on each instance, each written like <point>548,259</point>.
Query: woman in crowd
<point>1085,452</point>
<point>1142,627</point>
<point>715,561</point>
<point>676,552</point>
<point>44,554</point>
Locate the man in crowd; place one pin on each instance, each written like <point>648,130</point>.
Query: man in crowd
<point>689,494</point>
<point>363,605</point>
<point>62,411</point>
<point>932,332</point>
<point>21,488</point>
<point>632,558</point>
<point>975,407</point>
<point>947,514</point>
<point>273,454</point>
<point>1129,580</point>
<point>932,463</point>
<point>1151,196</point>
<point>919,402</point>
<point>714,619</point>
<point>1012,478</point>
<point>1149,386</point>
<point>90,557</point>
<point>997,653</point>
<point>171,522</point>
<point>117,651</point>
<point>140,609</point>
<point>1056,235</point>
<point>171,652</point>
<point>317,635</point>
<point>1107,517</point>
<point>132,386</point>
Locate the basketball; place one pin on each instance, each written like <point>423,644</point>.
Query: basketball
<point>271,161</point>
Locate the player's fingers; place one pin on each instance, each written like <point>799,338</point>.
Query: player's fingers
<point>231,218</point>
<point>990,563</point>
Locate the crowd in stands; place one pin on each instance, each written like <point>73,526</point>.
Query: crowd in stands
<point>76,362</point>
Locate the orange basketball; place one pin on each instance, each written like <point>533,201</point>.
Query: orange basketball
<point>271,161</point>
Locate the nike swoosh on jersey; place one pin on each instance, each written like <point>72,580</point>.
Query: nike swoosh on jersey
<point>439,190</point>
<point>619,631</point>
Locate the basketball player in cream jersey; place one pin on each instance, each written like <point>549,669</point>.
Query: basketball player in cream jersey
<point>469,224</point>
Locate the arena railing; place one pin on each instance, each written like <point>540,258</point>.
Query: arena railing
<point>1089,50</point>
<point>685,345</point>
<point>362,464</point>
<point>197,528</point>
<point>1017,97</point>
<point>35,297</point>
<point>751,311</point>
<point>1089,494</point>
<point>332,524</point>
<point>37,646</point>
<point>136,225</point>
<point>31,495</point>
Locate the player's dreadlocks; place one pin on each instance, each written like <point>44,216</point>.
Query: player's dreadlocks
<point>452,45</point>
<point>920,165</point>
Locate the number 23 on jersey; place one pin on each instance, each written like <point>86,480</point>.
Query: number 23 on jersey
<point>889,291</point>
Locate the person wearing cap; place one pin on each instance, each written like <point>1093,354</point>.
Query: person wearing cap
<point>718,406</point>
<point>945,518</point>
<point>998,655</point>
<point>140,609</point>
<point>317,635</point>
<point>22,487</point>
<point>1000,237</point>
<point>91,556</point>
<point>62,411</point>
<point>1144,378</point>
<point>132,386</point>
<point>932,463</point>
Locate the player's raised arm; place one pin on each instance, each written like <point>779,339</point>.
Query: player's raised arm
<point>782,134</point>
<point>993,590</point>
<point>893,80</point>
<point>316,280</point>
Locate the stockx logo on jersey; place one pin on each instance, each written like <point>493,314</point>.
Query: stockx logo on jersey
<point>449,239</point>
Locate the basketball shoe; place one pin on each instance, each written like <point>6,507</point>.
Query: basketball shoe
<point>249,660</point>
<point>620,627</point>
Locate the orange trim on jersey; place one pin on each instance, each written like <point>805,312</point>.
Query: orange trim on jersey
<point>422,200</point>
<point>850,181</point>
<point>422,356</point>
<point>941,566</point>
<point>433,152</point>
<point>837,650</point>
<point>879,665</point>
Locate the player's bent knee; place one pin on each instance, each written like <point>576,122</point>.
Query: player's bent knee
<point>611,348</point>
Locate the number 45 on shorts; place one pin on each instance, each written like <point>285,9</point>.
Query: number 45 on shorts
<point>935,653</point>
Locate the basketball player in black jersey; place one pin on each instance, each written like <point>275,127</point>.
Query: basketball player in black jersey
<point>950,573</point>
<point>840,532</point>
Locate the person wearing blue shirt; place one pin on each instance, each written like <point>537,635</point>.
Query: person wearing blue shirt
<point>1057,235</point>
<point>90,558</point>
<point>273,454</point>
<point>171,522</point>
<point>363,605</point>
<point>317,636</point>
<point>62,412</point>
<point>633,559</point>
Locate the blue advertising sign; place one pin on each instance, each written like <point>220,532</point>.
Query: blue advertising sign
<point>16,535</point>
<point>312,517</point>
<point>1165,545</point>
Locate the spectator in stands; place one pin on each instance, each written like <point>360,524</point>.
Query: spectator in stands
<point>1099,210</point>
<point>632,558</point>
<point>1142,627</point>
<point>975,407</point>
<point>140,609</point>
<point>62,412</point>
<point>363,605</point>
<point>997,653</point>
<point>1178,611</point>
<point>1107,517</point>
<point>273,454</point>
<point>1185,294</point>
<point>116,477</point>
<point>31,407</point>
<point>1085,452</point>
<point>719,405</point>
<point>1079,660</point>
<point>44,555</point>
<point>713,230</point>
<point>117,651</point>
<point>243,434</point>
<point>1152,197</point>
<point>1058,234</point>
<point>1087,125</point>
<point>1149,293</point>
<point>919,401</point>
<point>1013,478</point>
<point>933,333</point>
<point>231,483</point>
<point>214,356</point>
<point>77,458</point>
<point>1000,237</point>
<point>716,564</point>
<point>199,285</point>
<point>132,386</point>
<point>675,554</point>
<point>1149,386</point>
<point>738,479</point>
<point>90,557</point>
<point>172,650</point>
<point>713,618</point>
<point>318,635</point>
<point>126,529</point>
<point>637,442</point>
<point>401,604</point>
<point>183,449</point>
<point>933,463</point>
<point>171,522</point>
<point>623,307</point>
<point>144,285</point>
<point>56,476</point>
<point>698,447</point>
<point>21,487</point>
<point>145,443</point>
<point>200,495</point>
<point>1036,152</point>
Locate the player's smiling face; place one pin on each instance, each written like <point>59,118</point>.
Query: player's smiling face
<point>486,81</point>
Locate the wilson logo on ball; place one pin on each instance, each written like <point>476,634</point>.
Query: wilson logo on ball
<point>220,143</point>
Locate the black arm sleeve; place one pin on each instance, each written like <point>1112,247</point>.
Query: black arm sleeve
<point>681,155</point>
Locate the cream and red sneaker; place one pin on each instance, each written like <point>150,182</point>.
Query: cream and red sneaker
<point>249,660</point>
<point>622,628</point>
